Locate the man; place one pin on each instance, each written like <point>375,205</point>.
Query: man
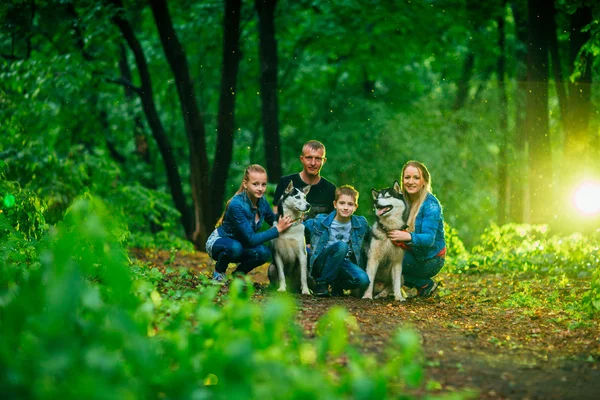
<point>321,195</point>
<point>322,192</point>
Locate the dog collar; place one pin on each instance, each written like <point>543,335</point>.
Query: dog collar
<point>296,221</point>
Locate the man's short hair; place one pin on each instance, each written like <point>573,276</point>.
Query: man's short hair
<point>314,145</point>
<point>347,190</point>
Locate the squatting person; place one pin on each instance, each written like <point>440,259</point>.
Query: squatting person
<point>423,240</point>
<point>236,238</point>
<point>322,191</point>
<point>336,240</point>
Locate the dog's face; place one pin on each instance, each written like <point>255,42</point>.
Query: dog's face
<point>294,199</point>
<point>389,202</point>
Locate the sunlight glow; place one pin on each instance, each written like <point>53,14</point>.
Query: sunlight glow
<point>587,198</point>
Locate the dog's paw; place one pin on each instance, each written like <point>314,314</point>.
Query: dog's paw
<point>305,292</point>
<point>368,296</point>
<point>282,289</point>
<point>382,295</point>
<point>400,299</point>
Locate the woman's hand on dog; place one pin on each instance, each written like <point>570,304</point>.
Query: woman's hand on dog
<point>399,236</point>
<point>284,223</point>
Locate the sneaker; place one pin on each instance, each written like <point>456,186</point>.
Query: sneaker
<point>427,290</point>
<point>321,289</point>
<point>218,277</point>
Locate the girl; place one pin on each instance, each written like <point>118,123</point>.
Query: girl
<point>236,238</point>
<point>424,239</point>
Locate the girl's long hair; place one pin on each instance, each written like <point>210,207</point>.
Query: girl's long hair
<point>416,206</point>
<point>249,169</point>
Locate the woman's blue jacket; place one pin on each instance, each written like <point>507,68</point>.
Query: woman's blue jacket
<point>428,237</point>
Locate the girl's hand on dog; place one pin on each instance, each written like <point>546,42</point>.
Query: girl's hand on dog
<point>284,223</point>
<point>399,236</point>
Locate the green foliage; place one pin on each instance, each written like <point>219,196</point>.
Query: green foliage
<point>81,326</point>
<point>522,251</point>
<point>454,245</point>
<point>592,297</point>
<point>60,177</point>
<point>21,208</point>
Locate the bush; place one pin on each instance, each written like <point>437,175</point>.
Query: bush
<point>532,250</point>
<point>22,209</point>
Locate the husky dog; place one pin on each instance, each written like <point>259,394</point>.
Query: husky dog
<point>289,249</point>
<point>384,263</point>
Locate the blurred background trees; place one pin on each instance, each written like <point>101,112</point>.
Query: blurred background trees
<point>158,106</point>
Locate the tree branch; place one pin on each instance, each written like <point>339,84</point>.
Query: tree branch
<point>128,84</point>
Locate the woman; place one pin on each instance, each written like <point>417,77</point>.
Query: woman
<point>236,238</point>
<point>424,239</point>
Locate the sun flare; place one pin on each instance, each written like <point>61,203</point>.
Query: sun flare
<point>587,198</point>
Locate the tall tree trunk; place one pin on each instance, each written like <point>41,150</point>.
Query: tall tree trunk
<point>268,86</point>
<point>194,125</point>
<point>518,169</point>
<point>503,121</point>
<point>536,122</point>
<point>557,70</point>
<point>226,117</point>
<point>577,121</point>
<point>141,142</point>
<point>158,132</point>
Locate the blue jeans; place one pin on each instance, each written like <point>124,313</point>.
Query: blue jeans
<point>332,267</point>
<point>419,273</point>
<point>227,250</point>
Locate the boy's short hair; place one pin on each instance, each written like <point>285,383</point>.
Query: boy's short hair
<point>347,190</point>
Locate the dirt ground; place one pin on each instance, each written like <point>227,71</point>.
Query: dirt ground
<point>471,339</point>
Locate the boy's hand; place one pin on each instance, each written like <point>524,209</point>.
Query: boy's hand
<point>399,236</point>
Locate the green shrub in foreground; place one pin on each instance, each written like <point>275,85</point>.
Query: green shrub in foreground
<point>79,326</point>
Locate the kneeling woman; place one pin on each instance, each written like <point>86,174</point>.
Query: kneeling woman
<point>423,241</point>
<point>236,238</point>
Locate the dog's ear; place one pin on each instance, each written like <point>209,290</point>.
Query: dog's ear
<point>374,193</point>
<point>306,189</point>
<point>397,187</point>
<point>289,187</point>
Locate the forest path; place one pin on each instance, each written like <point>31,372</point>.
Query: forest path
<point>473,334</point>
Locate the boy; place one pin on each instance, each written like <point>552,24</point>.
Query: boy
<point>336,240</point>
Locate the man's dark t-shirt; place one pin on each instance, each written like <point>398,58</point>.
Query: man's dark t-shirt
<point>320,197</point>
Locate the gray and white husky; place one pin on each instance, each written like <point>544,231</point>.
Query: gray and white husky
<point>384,263</point>
<point>289,249</point>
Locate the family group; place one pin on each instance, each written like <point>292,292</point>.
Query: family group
<point>334,233</point>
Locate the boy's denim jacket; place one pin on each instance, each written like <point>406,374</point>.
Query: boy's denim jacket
<point>318,231</point>
<point>428,238</point>
<point>239,224</point>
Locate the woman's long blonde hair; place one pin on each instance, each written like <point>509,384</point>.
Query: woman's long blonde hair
<point>416,206</point>
<point>249,169</point>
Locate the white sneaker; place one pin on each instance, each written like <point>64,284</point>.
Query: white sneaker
<point>218,277</point>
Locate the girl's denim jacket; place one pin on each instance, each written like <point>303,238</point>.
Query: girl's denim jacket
<point>428,238</point>
<point>239,221</point>
<point>318,231</point>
